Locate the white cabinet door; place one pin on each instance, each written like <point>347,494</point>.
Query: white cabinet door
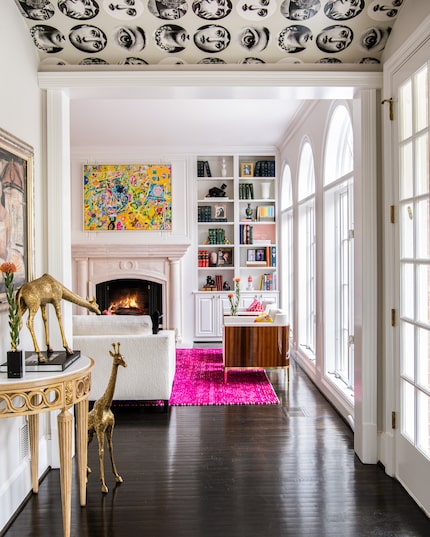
<point>209,308</point>
<point>206,322</point>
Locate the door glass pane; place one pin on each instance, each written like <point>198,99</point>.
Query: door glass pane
<point>406,171</point>
<point>421,99</point>
<point>422,229</point>
<point>408,410</point>
<point>423,421</point>
<point>422,292</point>
<point>405,109</point>
<point>407,283</point>
<point>407,350</point>
<point>407,231</point>
<point>422,164</point>
<point>423,373</point>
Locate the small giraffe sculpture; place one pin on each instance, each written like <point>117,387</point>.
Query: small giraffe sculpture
<point>101,420</point>
<point>37,294</point>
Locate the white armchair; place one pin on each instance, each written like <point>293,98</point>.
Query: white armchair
<point>150,358</point>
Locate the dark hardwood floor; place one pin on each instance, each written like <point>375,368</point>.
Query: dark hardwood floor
<point>238,471</point>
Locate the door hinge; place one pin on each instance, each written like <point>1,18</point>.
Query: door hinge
<point>393,317</point>
<point>393,420</point>
<point>391,107</point>
<point>392,214</point>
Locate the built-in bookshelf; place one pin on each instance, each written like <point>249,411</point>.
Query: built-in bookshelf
<point>236,225</point>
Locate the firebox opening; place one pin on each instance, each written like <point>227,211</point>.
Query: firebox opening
<point>130,297</point>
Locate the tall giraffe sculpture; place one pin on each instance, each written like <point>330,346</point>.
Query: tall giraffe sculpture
<point>37,294</point>
<point>101,420</point>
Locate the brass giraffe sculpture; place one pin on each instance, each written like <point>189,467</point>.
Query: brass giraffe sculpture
<point>101,420</point>
<point>37,294</point>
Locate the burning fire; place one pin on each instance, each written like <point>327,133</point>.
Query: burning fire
<point>128,302</point>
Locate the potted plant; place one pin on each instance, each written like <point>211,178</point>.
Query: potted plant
<point>234,298</point>
<point>14,356</point>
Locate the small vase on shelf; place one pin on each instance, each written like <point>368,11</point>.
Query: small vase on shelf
<point>15,364</point>
<point>223,168</point>
<point>249,212</point>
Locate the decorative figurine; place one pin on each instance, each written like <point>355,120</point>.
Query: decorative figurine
<point>101,420</point>
<point>37,294</point>
<point>249,211</point>
<point>226,286</point>
<point>216,192</point>
<point>250,286</point>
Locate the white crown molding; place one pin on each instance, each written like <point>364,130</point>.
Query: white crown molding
<point>303,81</point>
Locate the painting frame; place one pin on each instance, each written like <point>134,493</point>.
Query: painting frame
<point>247,169</point>
<point>250,255</point>
<point>127,197</point>
<point>220,212</point>
<point>225,257</point>
<point>16,209</point>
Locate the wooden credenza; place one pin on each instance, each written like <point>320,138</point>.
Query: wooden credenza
<point>252,345</point>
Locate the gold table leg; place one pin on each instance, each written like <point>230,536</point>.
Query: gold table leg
<point>82,447</point>
<point>33,424</point>
<point>65,431</point>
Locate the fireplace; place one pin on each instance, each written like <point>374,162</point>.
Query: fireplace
<point>130,296</point>
<point>154,263</point>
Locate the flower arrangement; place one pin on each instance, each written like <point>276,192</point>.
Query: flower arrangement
<point>234,298</point>
<point>8,270</point>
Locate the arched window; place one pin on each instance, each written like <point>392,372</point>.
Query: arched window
<point>339,250</point>
<point>306,180</point>
<point>287,250</point>
<point>306,252</point>
<point>338,159</point>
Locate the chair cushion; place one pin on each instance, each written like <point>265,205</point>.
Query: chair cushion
<point>100,325</point>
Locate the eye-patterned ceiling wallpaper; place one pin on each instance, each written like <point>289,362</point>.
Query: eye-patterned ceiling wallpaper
<point>82,32</point>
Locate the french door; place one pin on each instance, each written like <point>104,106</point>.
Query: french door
<point>411,132</point>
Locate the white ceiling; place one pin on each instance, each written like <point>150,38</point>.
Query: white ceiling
<point>177,116</point>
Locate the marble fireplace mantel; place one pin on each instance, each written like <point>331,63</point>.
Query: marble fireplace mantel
<point>93,264</point>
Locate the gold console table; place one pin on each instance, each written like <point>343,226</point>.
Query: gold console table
<point>42,392</point>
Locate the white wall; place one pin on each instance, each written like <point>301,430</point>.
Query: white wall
<point>20,115</point>
<point>183,210</point>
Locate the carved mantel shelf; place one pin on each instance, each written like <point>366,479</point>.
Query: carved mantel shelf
<point>172,251</point>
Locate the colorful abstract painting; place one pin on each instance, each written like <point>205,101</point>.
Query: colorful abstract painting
<point>127,196</point>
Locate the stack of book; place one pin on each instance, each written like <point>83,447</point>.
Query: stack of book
<point>264,168</point>
<point>246,232</point>
<point>216,236</point>
<point>246,191</point>
<point>266,213</point>
<point>203,168</point>
<point>267,283</point>
<point>204,213</point>
<point>203,258</point>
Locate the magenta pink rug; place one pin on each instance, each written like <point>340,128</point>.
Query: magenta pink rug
<point>199,380</point>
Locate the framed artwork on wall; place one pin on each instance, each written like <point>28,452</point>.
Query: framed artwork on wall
<point>16,209</point>
<point>127,197</point>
